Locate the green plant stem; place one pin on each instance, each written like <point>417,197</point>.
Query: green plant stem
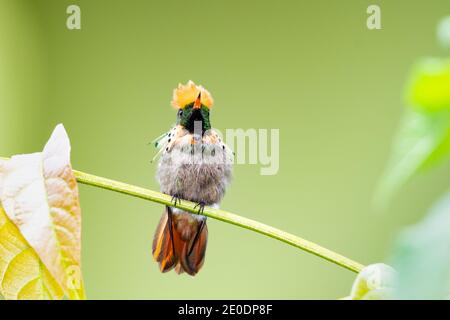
<point>221,215</point>
<point>146,194</point>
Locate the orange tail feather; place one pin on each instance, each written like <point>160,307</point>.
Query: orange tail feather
<point>180,241</point>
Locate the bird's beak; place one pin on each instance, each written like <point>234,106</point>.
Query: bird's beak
<point>198,103</point>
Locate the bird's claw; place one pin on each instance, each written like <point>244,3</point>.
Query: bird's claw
<point>176,199</point>
<point>201,207</point>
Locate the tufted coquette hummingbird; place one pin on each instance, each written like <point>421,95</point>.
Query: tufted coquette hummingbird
<point>195,165</point>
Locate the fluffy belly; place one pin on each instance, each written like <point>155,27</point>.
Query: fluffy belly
<point>199,173</point>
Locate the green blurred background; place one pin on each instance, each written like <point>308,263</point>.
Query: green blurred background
<point>310,68</point>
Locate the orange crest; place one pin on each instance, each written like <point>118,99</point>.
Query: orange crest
<point>188,93</point>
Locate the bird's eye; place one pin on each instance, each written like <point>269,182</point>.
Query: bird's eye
<point>180,112</point>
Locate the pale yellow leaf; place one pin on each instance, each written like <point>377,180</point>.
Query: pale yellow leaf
<point>39,194</point>
<point>22,274</point>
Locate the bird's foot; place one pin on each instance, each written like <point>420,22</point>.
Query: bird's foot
<point>201,207</point>
<point>176,199</point>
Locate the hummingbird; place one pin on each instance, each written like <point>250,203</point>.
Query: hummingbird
<point>194,165</point>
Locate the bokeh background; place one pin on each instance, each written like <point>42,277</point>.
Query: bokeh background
<point>309,68</point>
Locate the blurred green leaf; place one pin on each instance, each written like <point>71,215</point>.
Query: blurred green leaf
<point>444,32</point>
<point>422,256</point>
<point>423,139</point>
<point>374,282</point>
<point>429,85</point>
